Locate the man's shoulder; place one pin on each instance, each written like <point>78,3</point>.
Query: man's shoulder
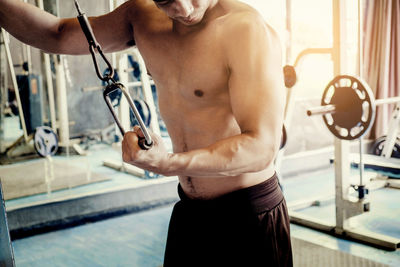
<point>246,23</point>
<point>141,4</point>
<point>248,27</point>
<point>241,17</point>
<point>144,12</point>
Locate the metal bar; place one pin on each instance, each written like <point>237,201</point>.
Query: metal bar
<point>62,101</point>
<point>321,110</point>
<point>118,86</point>
<point>360,41</point>
<point>28,52</point>
<point>14,82</point>
<point>123,108</point>
<point>361,165</point>
<point>383,101</point>
<point>308,221</point>
<point>374,239</point>
<point>3,91</point>
<point>49,81</point>
<point>137,116</point>
<point>289,31</point>
<point>310,51</point>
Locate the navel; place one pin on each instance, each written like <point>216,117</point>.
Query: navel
<point>190,185</point>
<point>185,147</point>
<point>198,93</point>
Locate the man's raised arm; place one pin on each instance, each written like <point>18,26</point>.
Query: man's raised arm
<point>51,34</point>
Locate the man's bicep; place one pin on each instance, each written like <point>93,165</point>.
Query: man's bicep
<point>256,82</point>
<point>114,30</point>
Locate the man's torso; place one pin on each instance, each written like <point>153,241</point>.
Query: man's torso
<point>191,74</point>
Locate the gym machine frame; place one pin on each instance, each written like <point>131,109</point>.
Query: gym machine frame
<point>347,206</point>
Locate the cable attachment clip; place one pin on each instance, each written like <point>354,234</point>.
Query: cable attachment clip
<point>144,143</point>
<point>94,46</point>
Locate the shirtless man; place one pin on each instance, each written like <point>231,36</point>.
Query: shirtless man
<point>217,68</point>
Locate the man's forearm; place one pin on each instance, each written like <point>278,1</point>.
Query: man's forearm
<point>229,157</point>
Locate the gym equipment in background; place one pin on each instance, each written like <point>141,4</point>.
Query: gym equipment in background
<point>45,141</point>
<point>348,108</point>
<point>380,143</point>
<point>29,98</point>
<point>31,95</point>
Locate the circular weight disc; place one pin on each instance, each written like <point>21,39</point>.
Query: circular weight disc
<point>45,141</point>
<point>377,147</point>
<point>355,107</point>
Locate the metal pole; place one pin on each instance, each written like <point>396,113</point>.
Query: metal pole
<point>49,81</point>
<point>361,165</point>
<point>62,102</point>
<point>3,90</point>
<point>289,31</point>
<point>28,51</point>
<point>342,166</point>
<point>360,41</point>
<point>14,82</point>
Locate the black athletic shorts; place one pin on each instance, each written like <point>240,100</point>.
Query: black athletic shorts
<point>249,227</point>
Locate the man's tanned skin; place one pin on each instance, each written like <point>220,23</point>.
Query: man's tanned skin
<point>217,69</point>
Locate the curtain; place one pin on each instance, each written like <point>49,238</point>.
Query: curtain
<point>381,57</point>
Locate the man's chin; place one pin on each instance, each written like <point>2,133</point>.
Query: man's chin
<point>189,22</point>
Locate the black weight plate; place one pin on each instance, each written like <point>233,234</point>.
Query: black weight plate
<point>355,107</point>
<point>377,147</point>
<point>45,141</point>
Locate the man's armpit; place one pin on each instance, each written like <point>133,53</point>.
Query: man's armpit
<point>131,43</point>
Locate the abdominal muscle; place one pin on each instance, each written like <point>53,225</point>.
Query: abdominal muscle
<point>207,125</point>
<point>212,187</point>
<point>186,139</point>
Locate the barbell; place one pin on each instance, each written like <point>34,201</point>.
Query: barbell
<point>348,107</point>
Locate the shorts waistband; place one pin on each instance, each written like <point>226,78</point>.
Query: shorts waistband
<point>260,197</point>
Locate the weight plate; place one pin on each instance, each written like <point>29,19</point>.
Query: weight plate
<point>377,147</point>
<point>355,107</point>
<point>45,141</point>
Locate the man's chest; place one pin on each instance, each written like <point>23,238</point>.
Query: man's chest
<point>190,68</point>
